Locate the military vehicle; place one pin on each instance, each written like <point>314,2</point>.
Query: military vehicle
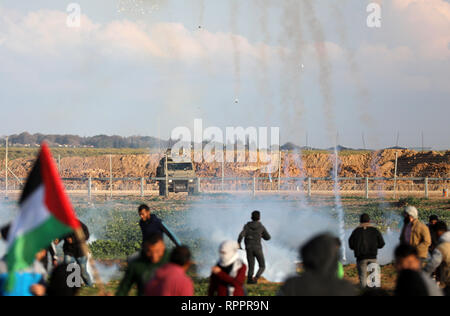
<point>181,176</point>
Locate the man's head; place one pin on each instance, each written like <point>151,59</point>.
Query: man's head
<point>411,214</point>
<point>433,219</point>
<point>321,254</point>
<point>41,254</point>
<point>256,216</point>
<point>181,256</point>
<point>364,219</point>
<point>440,228</point>
<point>144,212</point>
<point>154,248</point>
<point>406,258</point>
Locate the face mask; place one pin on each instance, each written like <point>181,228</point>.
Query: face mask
<point>228,253</point>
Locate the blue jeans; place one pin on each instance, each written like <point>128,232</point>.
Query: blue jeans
<point>82,262</point>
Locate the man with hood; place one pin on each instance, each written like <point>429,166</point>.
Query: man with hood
<point>252,234</point>
<point>415,233</point>
<point>440,259</point>
<point>365,242</point>
<point>228,276</point>
<point>320,258</point>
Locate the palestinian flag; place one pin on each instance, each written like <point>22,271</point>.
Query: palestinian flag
<point>45,214</point>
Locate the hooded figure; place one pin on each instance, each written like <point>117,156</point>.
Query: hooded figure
<point>320,260</point>
<point>252,234</point>
<point>228,277</point>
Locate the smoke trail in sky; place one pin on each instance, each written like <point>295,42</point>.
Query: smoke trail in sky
<point>338,203</point>
<point>325,68</point>
<point>362,93</point>
<point>234,14</point>
<point>292,61</point>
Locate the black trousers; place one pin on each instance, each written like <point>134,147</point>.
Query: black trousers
<point>252,254</point>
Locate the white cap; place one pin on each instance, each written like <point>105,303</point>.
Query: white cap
<point>412,211</point>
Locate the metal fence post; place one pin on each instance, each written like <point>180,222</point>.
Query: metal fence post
<point>395,175</point>
<point>254,186</point>
<point>426,188</point>
<point>90,188</point>
<point>199,185</point>
<point>309,187</point>
<point>367,188</point>
<point>142,187</point>
<point>110,177</point>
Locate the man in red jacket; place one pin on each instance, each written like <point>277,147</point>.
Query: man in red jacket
<point>228,277</point>
<point>171,279</point>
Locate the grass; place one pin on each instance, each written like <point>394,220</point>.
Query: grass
<point>388,279</point>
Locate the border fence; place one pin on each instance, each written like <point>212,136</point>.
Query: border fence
<point>368,187</point>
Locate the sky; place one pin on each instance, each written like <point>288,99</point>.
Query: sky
<point>145,67</point>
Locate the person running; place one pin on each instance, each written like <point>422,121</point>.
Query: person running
<point>228,276</point>
<point>150,224</point>
<point>252,234</point>
<point>142,269</point>
<point>365,242</point>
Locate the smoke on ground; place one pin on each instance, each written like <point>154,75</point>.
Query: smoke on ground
<point>291,224</point>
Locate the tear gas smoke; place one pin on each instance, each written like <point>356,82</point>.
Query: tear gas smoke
<point>290,225</point>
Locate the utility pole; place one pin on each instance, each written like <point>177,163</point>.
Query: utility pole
<point>6,168</point>
<point>110,177</point>
<point>395,175</point>
<point>166,171</point>
<point>423,143</point>
<point>279,171</point>
<point>398,139</point>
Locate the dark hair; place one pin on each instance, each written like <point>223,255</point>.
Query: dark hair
<point>321,255</point>
<point>365,218</point>
<point>433,218</point>
<point>152,239</point>
<point>5,231</point>
<point>441,226</point>
<point>180,255</point>
<point>57,285</point>
<point>256,216</point>
<point>143,207</point>
<point>411,284</point>
<point>404,251</point>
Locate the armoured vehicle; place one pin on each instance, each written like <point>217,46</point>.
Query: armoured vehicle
<point>181,176</point>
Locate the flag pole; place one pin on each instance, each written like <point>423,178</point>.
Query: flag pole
<point>80,236</point>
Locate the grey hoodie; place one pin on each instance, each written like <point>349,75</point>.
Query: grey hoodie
<point>252,234</point>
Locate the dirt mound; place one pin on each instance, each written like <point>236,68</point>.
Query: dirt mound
<point>320,164</point>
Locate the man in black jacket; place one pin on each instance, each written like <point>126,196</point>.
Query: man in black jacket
<point>365,242</point>
<point>74,254</point>
<point>150,224</point>
<point>252,233</point>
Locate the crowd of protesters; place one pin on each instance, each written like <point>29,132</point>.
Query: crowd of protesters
<point>422,262</point>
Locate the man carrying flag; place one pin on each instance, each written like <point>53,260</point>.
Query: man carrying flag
<point>45,214</point>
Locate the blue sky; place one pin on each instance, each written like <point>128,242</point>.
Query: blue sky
<point>135,65</point>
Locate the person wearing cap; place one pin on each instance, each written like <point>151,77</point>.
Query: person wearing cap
<point>415,233</point>
<point>252,234</point>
